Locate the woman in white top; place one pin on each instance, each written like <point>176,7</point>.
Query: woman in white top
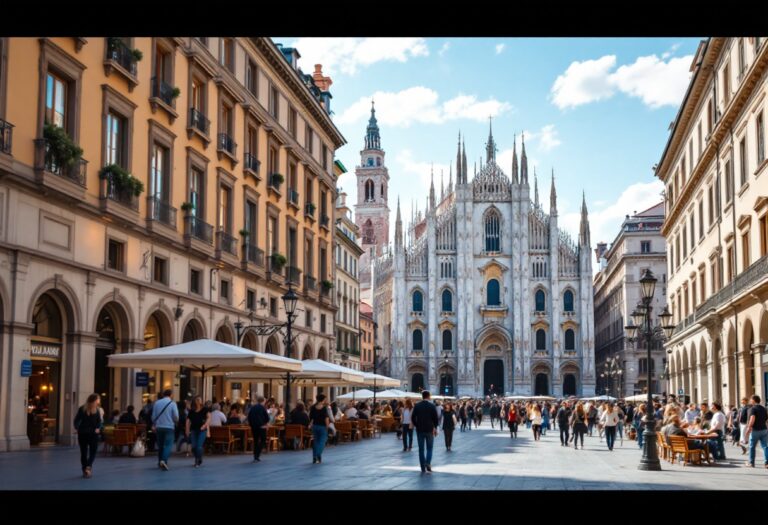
<point>608,421</point>
<point>535,418</point>
<point>406,425</point>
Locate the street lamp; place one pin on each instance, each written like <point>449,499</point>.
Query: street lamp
<point>290,300</point>
<point>612,370</point>
<point>641,324</point>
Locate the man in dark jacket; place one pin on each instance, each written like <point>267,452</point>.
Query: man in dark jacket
<point>258,419</point>
<point>424,419</point>
<point>563,417</point>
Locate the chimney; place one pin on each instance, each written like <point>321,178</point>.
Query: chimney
<point>323,83</point>
<point>602,247</point>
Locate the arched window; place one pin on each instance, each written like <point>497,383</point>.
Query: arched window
<point>493,298</point>
<point>568,301</point>
<point>369,190</point>
<point>418,301</point>
<point>378,161</point>
<point>368,237</point>
<point>570,340</point>
<point>541,339</point>
<point>492,232</point>
<point>540,300</point>
<point>383,192</point>
<point>418,340</point>
<point>370,161</point>
<point>447,301</point>
<point>447,340</point>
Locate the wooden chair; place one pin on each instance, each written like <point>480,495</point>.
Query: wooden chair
<point>273,439</point>
<point>387,424</point>
<point>119,438</point>
<point>375,427</point>
<point>665,452</point>
<point>223,436</point>
<point>129,426</point>
<point>679,445</point>
<point>295,434</point>
<point>367,429</point>
<point>344,428</point>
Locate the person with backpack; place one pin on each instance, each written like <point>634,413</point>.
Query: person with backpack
<point>165,415</point>
<point>89,423</point>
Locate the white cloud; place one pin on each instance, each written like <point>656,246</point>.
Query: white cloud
<point>500,48</point>
<point>444,48</point>
<point>656,81</point>
<point>548,139</point>
<point>347,55</point>
<point>421,105</point>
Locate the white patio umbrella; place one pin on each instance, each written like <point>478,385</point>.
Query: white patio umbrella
<point>362,394</point>
<point>599,398</point>
<point>641,397</point>
<point>315,372</point>
<point>376,380</point>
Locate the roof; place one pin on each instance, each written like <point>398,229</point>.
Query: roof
<point>656,210</point>
<point>365,308</point>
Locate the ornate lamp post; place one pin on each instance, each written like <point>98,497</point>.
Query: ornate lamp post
<point>642,326</point>
<point>612,371</point>
<point>290,300</point>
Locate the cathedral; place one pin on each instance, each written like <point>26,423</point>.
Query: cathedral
<point>487,295</point>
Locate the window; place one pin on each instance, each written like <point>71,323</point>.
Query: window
<point>115,255</point>
<point>702,283</point>
<point>742,58</point>
<point>197,192</point>
<point>163,72</point>
<point>644,365</point>
<point>763,235</point>
<point>492,232</point>
<point>418,301</point>
<point>272,235</point>
<point>418,340</point>
<point>718,195</point>
<point>325,158</point>
<point>710,117</point>
<point>252,78</point>
<point>308,318</point>
<point>224,291</point>
<point>308,138</point>
<point>323,262</point>
<point>645,246</point>
<point>368,236</point>
<point>159,182</point>
<point>292,246</point>
<point>273,306</point>
<point>541,339</point>
<point>693,231</point>
<point>570,340</point>
<point>160,270</point>
<point>540,307</point>
<point>726,84</point>
<point>225,209</point>
<point>745,255</point>
<point>568,301</point>
<point>701,219</point>
<point>292,122</point>
<point>690,152</point>
<point>760,134</point>
<point>447,340</point>
<point>195,281</point>
<point>699,139</point>
<point>447,301</point>
<point>322,323</point>
<point>274,102</point>
<point>56,101</point>
<point>227,126</point>
<point>492,293</point>
<point>250,299</point>
<point>227,53</point>
<point>711,203</point>
<point>743,161</point>
<point>369,191</point>
<point>728,182</point>
<point>198,96</point>
<point>251,221</point>
<point>115,143</point>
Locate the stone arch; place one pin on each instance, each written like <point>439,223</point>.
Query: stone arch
<point>273,346</point>
<point>570,368</point>
<point>308,352</point>
<point>322,354</point>
<point>541,378</point>
<point>748,380</point>
<point>730,352</point>
<point>122,309</point>
<point>225,332</point>
<point>65,296</point>
<point>196,322</point>
<point>717,364</point>
<point>686,371</point>
<point>693,373</point>
<point>4,302</point>
<point>704,391</point>
<point>250,340</point>
<point>164,316</point>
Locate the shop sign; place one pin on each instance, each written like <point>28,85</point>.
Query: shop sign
<point>237,386</point>
<point>681,392</point>
<point>142,378</point>
<point>50,351</point>
<point>26,368</point>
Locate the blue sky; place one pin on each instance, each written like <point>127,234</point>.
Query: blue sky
<point>597,110</point>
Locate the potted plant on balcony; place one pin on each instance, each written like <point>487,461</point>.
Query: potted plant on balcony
<point>276,180</point>
<point>278,261</point>
<point>326,285</point>
<point>122,181</point>
<point>61,151</point>
<point>244,234</point>
<point>187,207</point>
<point>311,208</point>
<point>175,92</point>
<point>137,54</point>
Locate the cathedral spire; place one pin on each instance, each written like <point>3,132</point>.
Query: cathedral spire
<point>523,164</point>
<point>463,162</point>
<point>553,196</point>
<point>372,137</point>
<point>450,179</point>
<point>398,227</point>
<point>431,201</point>
<point>535,188</point>
<point>514,160</point>
<point>442,187</point>
<point>584,225</point>
<point>490,147</point>
<point>458,162</point>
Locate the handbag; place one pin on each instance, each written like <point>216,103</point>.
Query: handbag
<point>138,449</point>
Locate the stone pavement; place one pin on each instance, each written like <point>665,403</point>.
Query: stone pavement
<point>481,459</point>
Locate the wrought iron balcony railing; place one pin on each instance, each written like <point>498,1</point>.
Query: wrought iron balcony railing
<point>161,211</point>
<point>199,229</point>
<point>198,121</point>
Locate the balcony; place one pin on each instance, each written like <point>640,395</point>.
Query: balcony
<point>293,198</point>
<point>309,210</point>
<point>417,313</point>
<point>198,125</point>
<point>310,284</point>
<point>69,180</point>
<point>275,181</point>
<point>225,243</point>
<point>251,164</point>
<point>6,136</point>
<point>325,293</point>
<point>292,275</point>
<point>161,217</point>
<point>164,95</point>
<point>198,229</point>
<point>121,59</point>
<point>348,351</point>
<point>117,201</point>
<point>325,221</point>
<point>753,275</point>
<point>225,145</point>
<point>253,259</point>
<point>275,270</point>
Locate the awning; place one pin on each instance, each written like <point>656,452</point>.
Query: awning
<point>315,372</point>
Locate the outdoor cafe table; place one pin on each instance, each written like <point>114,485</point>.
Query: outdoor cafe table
<point>703,438</point>
<point>243,432</point>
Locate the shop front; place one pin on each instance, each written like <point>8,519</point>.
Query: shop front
<point>44,387</point>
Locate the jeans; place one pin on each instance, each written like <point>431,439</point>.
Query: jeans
<point>448,433</point>
<point>259,441</point>
<point>469,421</point>
<point>564,435</point>
<point>165,443</point>
<point>407,437</point>
<point>640,429</point>
<point>528,423</point>
<point>717,446</point>
<point>319,435</point>
<point>610,436</point>
<point>89,443</point>
<point>197,438</point>
<point>578,432</point>
<point>463,424</point>
<point>620,429</point>
<point>429,439</point>
<point>591,425</point>
<point>536,432</point>
<point>754,437</point>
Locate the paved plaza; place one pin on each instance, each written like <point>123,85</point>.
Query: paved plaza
<point>482,459</point>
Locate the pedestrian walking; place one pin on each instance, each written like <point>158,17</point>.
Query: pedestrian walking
<point>591,418</point>
<point>579,425</point>
<point>463,416</point>
<point>609,420</point>
<point>406,425</point>
<point>478,414</point>
<point>89,422</point>
<point>536,422</point>
<point>562,418</point>
<point>449,424</point>
<point>638,424</point>
<point>757,431</point>
<point>320,419</point>
<point>196,428</point>
<point>258,420</point>
<point>743,420</point>
<point>512,420</point>
<point>424,420</point>
<point>494,413</point>
<point>545,420</point>
<point>470,415</point>
<point>165,415</point>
